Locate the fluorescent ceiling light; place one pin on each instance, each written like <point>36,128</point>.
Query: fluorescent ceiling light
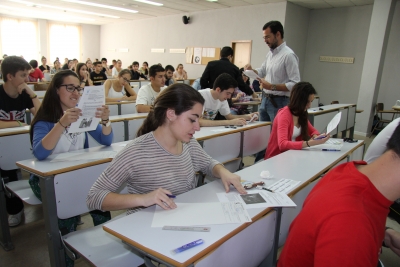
<point>42,14</point>
<point>63,9</point>
<point>149,2</point>
<point>212,0</point>
<point>102,6</point>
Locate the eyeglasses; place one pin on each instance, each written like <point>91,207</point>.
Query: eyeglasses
<point>265,37</point>
<point>125,79</point>
<point>71,88</point>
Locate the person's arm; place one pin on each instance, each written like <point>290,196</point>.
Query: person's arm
<point>244,117</point>
<point>11,124</point>
<point>114,72</point>
<point>392,240</point>
<point>140,108</point>
<point>205,77</point>
<point>142,75</point>
<point>107,86</point>
<point>103,134</point>
<point>132,92</point>
<point>35,100</point>
<point>184,75</point>
<point>41,76</point>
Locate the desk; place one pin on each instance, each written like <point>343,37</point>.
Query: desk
<point>122,107</point>
<point>254,104</point>
<point>15,145</point>
<point>226,243</point>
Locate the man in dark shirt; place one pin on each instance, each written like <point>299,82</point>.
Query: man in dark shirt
<point>105,67</point>
<point>135,73</point>
<point>97,75</point>
<point>15,97</point>
<point>169,73</point>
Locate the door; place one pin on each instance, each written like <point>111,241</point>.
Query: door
<point>241,52</point>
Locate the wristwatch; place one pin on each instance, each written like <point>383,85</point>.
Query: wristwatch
<point>273,87</point>
<point>106,122</point>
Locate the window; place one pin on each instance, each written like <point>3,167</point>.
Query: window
<point>18,37</point>
<point>64,41</point>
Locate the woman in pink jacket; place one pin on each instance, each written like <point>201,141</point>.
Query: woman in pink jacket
<point>291,128</point>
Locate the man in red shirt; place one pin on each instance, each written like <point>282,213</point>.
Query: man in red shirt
<point>342,222</point>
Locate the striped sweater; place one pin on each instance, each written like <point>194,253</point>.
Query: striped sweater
<point>146,166</point>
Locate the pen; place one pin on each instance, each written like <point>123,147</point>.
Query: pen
<point>319,137</point>
<point>330,149</point>
<point>188,246</point>
<point>170,196</point>
<point>269,190</point>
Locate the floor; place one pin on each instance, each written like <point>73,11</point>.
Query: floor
<point>31,248</point>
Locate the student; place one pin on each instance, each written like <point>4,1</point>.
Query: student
<point>169,73</point>
<point>343,218</point>
<point>216,101</point>
<point>149,92</point>
<point>83,75</point>
<point>97,74</point>
<point>36,74</point>
<point>15,97</point>
<point>180,73</point>
<point>89,65</point>
<point>196,84</point>
<point>69,65</point>
<point>49,134</point>
<point>113,64</point>
<point>44,68</point>
<point>291,128</point>
<point>105,69</point>
<point>135,73</point>
<point>56,68</point>
<point>119,89</point>
<point>165,139</point>
<point>75,63</point>
<point>145,68</point>
<point>117,68</point>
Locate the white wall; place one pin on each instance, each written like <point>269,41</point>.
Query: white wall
<point>215,28</point>
<point>339,32</point>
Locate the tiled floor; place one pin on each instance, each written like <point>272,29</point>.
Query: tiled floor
<point>31,248</point>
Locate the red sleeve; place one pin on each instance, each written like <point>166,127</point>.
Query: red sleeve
<point>312,130</point>
<point>284,141</point>
<point>345,240</point>
<point>41,76</point>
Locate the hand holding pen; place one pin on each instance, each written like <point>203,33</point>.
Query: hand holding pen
<point>161,197</point>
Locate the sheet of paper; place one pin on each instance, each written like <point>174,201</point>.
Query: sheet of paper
<point>192,214</point>
<point>210,52</point>
<point>331,144</point>
<point>204,52</point>
<point>189,55</point>
<point>91,99</point>
<point>258,199</point>
<point>334,122</point>
<point>251,74</point>
<point>197,55</point>
<point>283,185</point>
<point>84,156</point>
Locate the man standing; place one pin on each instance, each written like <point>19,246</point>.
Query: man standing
<point>279,72</point>
<point>149,92</point>
<point>169,73</point>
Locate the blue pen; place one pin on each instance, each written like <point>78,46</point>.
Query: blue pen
<point>170,196</point>
<point>330,150</point>
<point>187,246</point>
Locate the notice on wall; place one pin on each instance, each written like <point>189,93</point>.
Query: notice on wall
<point>197,55</point>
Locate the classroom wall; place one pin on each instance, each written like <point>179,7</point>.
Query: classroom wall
<point>214,28</point>
<point>339,32</point>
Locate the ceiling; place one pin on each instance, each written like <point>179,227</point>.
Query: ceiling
<point>66,10</point>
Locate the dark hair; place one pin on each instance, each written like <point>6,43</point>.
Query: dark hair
<point>88,61</point>
<point>114,61</point>
<point>146,71</point>
<point>145,62</point>
<point>179,97</point>
<point>103,59</point>
<point>13,64</point>
<point>169,67</point>
<point>33,63</point>
<point>275,26</point>
<point>394,141</point>
<point>301,91</point>
<point>50,110</point>
<point>77,70</point>
<point>55,62</point>
<point>135,63</point>
<point>96,63</point>
<point>154,69</point>
<point>225,81</point>
<point>226,52</point>
<point>248,80</point>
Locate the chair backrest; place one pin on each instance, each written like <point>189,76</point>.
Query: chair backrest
<point>334,102</point>
<point>379,107</point>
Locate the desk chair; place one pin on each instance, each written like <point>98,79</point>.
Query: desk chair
<point>379,110</point>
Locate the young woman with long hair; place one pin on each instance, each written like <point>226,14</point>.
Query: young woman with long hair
<point>83,75</point>
<point>119,89</point>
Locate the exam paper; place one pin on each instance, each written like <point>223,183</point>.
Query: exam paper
<point>283,185</point>
<point>70,156</point>
<point>334,123</point>
<point>251,74</point>
<point>91,99</point>
<point>258,199</point>
<point>192,214</point>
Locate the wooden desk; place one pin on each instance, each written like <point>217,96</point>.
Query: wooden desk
<point>228,242</point>
<point>254,104</point>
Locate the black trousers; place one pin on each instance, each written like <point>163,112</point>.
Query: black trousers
<point>14,204</point>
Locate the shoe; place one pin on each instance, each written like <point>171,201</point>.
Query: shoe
<point>14,220</point>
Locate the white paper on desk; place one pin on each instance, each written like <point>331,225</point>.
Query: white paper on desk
<point>70,156</point>
<point>251,74</point>
<point>191,214</point>
<point>283,185</point>
<point>334,123</point>
<point>91,99</point>
<point>258,199</point>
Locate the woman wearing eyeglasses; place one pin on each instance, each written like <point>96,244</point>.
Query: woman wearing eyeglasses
<point>49,134</point>
<point>119,89</point>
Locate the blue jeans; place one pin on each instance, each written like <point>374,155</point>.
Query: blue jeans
<point>268,112</point>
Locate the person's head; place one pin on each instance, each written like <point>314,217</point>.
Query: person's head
<point>130,67</point>
<point>301,96</point>
<point>169,71</point>
<point>145,65</point>
<point>70,64</point>
<point>224,86</point>
<point>179,108</point>
<point>56,64</point>
<point>114,62</point>
<point>97,66</point>
<point>135,65</point>
<point>394,142</point>
<point>226,52</point>
<point>44,60</point>
<point>118,64</point>
<point>63,93</point>
<point>246,79</point>
<point>89,64</point>
<point>66,60</point>
<point>157,76</point>
<point>15,70</point>
<point>179,68</point>
<point>124,76</point>
<point>81,70</point>
<point>33,63</point>
<point>4,56</point>
<point>273,34</point>
<point>104,61</point>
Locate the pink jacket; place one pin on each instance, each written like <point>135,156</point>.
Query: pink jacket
<point>281,135</point>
